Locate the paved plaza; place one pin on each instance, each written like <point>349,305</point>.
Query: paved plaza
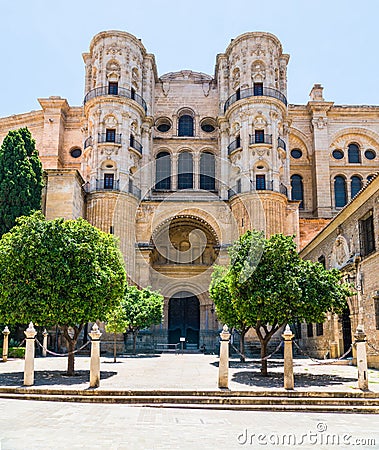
<point>59,425</point>
<point>185,372</point>
<point>55,426</point>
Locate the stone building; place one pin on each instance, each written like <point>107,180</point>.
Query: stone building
<point>178,165</point>
<point>350,242</point>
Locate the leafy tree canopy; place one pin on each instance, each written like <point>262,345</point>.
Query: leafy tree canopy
<point>269,285</point>
<point>21,180</point>
<point>59,272</point>
<point>143,308</point>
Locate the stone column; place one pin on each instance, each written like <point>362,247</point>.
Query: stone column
<point>44,349</point>
<point>5,343</point>
<point>288,359</point>
<point>334,345</point>
<point>224,162</point>
<point>360,342</point>
<point>30,334</point>
<point>223,368</point>
<point>94,377</point>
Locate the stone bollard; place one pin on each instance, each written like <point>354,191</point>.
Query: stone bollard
<point>44,346</point>
<point>223,368</point>
<point>360,342</point>
<point>5,344</point>
<point>30,334</point>
<point>94,377</point>
<point>288,358</point>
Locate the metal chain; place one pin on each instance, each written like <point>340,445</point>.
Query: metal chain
<point>317,360</point>
<point>62,354</point>
<point>273,353</point>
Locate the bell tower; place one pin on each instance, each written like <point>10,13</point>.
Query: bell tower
<point>254,123</point>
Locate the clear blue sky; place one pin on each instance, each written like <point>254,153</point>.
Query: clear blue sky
<point>332,42</point>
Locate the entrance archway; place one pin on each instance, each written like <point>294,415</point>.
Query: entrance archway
<point>184,319</point>
<point>346,330</point>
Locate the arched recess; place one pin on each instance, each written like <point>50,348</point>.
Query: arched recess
<point>185,170</point>
<point>184,241</point>
<point>207,171</point>
<point>184,319</point>
<point>340,191</point>
<point>186,122</point>
<point>163,171</point>
<point>297,189</point>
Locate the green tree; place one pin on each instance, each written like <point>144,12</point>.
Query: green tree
<point>143,308</point>
<point>116,322</point>
<point>279,287</point>
<point>226,308</point>
<point>21,180</point>
<point>58,272</point>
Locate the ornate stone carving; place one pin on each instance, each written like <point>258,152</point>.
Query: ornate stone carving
<point>113,49</point>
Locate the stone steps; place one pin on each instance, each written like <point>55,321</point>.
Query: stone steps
<point>360,402</point>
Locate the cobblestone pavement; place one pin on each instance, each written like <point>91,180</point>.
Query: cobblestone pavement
<point>188,371</point>
<point>49,425</point>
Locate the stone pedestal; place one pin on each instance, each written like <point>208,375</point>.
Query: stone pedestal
<point>5,344</point>
<point>94,377</point>
<point>223,368</point>
<point>30,334</point>
<point>360,342</point>
<point>288,359</point>
<point>44,349</point>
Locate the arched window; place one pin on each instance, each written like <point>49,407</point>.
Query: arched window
<point>340,197</point>
<point>185,171</point>
<point>297,189</point>
<point>207,171</point>
<point>354,154</point>
<point>163,171</point>
<point>185,127</point>
<point>355,185</point>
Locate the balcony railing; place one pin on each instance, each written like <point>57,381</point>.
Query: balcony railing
<point>121,92</point>
<point>136,145</point>
<point>251,92</point>
<point>113,185</point>
<point>234,145</point>
<point>107,185</point>
<point>111,139</point>
<point>260,186</point>
<point>281,143</point>
<point>88,142</point>
<point>260,139</point>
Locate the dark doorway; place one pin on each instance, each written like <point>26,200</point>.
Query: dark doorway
<point>184,318</point>
<point>346,330</point>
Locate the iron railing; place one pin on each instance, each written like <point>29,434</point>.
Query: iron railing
<point>113,185</point>
<point>234,145</point>
<point>251,92</point>
<point>111,139</point>
<point>260,139</point>
<point>281,143</point>
<point>88,142</point>
<point>267,185</point>
<point>121,92</point>
<point>136,145</point>
<point>108,185</point>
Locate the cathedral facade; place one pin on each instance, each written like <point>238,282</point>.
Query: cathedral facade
<point>179,165</point>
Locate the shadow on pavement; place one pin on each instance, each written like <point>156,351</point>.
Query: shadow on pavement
<point>51,377</point>
<point>275,380</point>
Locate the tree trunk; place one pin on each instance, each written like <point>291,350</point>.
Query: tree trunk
<point>264,343</point>
<point>135,333</point>
<point>242,346</point>
<point>71,344</point>
<point>114,347</point>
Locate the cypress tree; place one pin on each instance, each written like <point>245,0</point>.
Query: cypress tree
<point>21,179</point>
